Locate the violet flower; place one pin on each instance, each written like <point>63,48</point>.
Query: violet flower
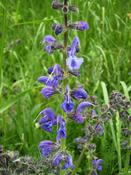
<point>48,119</point>
<point>67,105</point>
<point>49,39</point>
<point>46,147</point>
<point>79,93</point>
<point>56,71</point>
<point>68,162</point>
<point>74,46</point>
<point>81,25</point>
<point>72,61</point>
<point>97,164</point>
<point>51,44</point>
<point>56,74</point>
<point>52,81</point>
<point>67,158</point>
<point>61,132</point>
<point>58,28</point>
<point>99,129</point>
<point>48,91</point>
<point>77,116</point>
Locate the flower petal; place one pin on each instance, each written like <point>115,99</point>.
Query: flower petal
<point>49,39</point>
<point>99,129</point>
<point>82,106</point>
<point>67,105</point>
<point>68,162</point>
<point>46,147</point>
<point>58,28</point>
<point>82,25</point>
<point>74,46</point>
<point>79,93</point>
<point>48,91</point>
<point>57,160</point>
<point>48,113</point>
<point>74,63</point>
<point>78,118</point>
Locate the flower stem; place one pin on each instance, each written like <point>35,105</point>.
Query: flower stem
<point>128,154</point>
<point>79,161</point>
<point>66,31</point>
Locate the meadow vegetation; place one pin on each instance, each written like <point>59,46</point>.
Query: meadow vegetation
<point>105,47</point>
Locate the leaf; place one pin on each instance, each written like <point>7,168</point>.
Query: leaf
<point>125,89</point>
<point>105,93</point>
<point>12,101</point>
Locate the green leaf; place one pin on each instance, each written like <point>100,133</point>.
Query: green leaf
<point>10,102</point>
<point>125,89</point>
<point>105,93</point>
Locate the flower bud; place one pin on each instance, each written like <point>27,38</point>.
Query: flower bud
<point>81,25</point>
<point>57,5</point>
<point>73,8</point>
<point>57,28</point>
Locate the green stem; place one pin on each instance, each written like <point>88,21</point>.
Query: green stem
<point>79,161</point>
<point>128,154</point>
<point>118,137</point>
<point>2,43</point>
<point>66,32</point>
<point>63,142</point>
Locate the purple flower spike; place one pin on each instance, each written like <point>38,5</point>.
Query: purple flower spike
<point>67,105</point>
<point>49,39</point>
<point>82,26</point>
<point>48,91</point>
<point>57,28</point>
<point>46,147</point>
<point>79,93</point>
<point>61,133</point>
<point>48,119</point>
<point>97,164</point>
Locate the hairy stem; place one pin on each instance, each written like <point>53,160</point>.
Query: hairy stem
<point>66,31</point>
<point>63,144</point>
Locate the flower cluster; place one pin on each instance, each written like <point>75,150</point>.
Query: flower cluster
<point>53,85</point>
<point>47,147</point>
<point>119,103</point>
<point>52,81</point>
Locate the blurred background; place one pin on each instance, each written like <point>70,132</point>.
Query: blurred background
<point>105,47</point>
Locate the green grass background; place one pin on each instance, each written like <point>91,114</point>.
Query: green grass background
<point>106,48</point>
